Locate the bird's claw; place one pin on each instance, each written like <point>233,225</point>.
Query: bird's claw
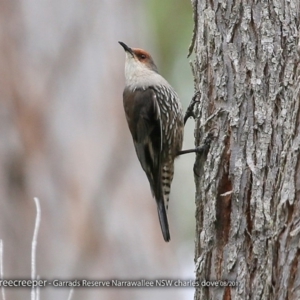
<point>206,144</point>
<point>190,110</point>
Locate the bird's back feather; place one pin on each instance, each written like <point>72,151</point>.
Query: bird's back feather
<point>156,145</point>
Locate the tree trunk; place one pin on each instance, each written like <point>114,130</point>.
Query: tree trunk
<point>247,183</point>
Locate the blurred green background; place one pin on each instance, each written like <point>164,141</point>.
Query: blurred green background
<point>64,139</point>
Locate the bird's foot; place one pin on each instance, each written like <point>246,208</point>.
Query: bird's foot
<point>190,110</point>
<point>202,148</point>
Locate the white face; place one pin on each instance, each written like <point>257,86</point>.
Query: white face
<point>139,75</point>
<point>131,63</point>
<point>136,73</point>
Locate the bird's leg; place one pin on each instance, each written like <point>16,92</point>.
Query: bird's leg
<point>209,137</point>
<point>190,110</point>
<point>202,148</point>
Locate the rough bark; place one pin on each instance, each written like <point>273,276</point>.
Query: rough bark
<point>247,185</point>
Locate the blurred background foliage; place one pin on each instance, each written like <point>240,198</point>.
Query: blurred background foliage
<point>64,139</point>
<point>172,23</point>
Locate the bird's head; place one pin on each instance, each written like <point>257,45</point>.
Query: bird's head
<point>138,58</point>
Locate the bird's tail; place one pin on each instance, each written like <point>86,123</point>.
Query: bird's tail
<point>163,219</point>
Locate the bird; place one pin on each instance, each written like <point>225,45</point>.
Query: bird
<point>154,115</point>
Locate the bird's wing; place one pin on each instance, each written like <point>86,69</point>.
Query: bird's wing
<point>144,121</point>
<point>143,117</point>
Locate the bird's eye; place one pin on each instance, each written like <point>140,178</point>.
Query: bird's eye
<point>142,56</point>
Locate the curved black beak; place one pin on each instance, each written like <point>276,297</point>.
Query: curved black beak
<point>126,48</point>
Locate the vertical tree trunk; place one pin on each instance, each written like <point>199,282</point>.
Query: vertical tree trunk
<point>247,185</point>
